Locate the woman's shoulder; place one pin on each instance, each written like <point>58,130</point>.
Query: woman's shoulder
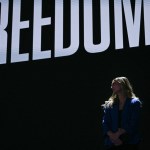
<point>136,101</point>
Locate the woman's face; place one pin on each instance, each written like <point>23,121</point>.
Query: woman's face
<point>116,87</point>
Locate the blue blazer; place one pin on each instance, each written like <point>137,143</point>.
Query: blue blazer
<point>130,120</point>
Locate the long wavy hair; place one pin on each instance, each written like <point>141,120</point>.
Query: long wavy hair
<point>127,90</point>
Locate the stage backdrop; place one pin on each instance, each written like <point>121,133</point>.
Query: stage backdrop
<point>57,61</point>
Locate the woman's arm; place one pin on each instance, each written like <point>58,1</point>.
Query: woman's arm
<point>133,124</point>
<point>106,122</point>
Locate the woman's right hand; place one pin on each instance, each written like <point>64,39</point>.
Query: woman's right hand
<point>117,142</point>
<point>114,137</point>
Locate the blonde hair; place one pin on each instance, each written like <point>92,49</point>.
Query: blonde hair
<point>126,87</point>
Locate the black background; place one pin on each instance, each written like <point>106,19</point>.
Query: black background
<point>56,103</point>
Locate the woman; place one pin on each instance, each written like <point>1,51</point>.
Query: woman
<point>121,117</point>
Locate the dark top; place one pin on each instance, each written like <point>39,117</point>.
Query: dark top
<point>119,118</point>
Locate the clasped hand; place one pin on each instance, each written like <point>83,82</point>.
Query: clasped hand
<point>114,137</point>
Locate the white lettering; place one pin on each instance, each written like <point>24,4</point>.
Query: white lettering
<point>16,26</point>
<point>88,27</point>
<point>38,23</point>
<point>59,50</point>
<point>3,33</point>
